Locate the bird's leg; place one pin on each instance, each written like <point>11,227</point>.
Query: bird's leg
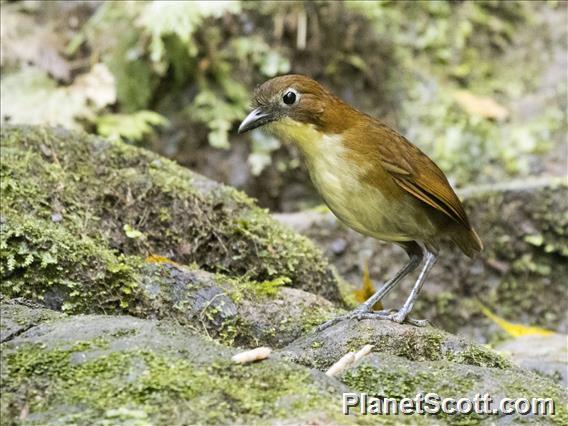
<point>401,315</point>
<point>389,285</point>
<point>403,312</point>
<point>365,308</point>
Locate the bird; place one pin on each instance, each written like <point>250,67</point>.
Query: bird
<point>371,177</point>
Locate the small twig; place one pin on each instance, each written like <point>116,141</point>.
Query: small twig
<point>347,360</point>
<point>253,355</point>
<point>365,350</point>
<point>302,31</point>
<point>344,362</point>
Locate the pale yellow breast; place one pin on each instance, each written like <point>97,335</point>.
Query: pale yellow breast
<point>338,180</point>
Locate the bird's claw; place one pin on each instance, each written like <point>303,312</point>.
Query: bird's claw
<point>391,315</point>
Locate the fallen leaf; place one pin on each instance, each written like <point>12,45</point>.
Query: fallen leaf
<point>155,258</point>
<point>515,330</point>
<point>367,290</point>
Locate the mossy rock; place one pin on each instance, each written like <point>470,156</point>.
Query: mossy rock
<point>322,349</point>
<point>81,214</point>
<point>126,370</point>
<point>390,376</point>
<point>407,360</point>
<point>97,369</point>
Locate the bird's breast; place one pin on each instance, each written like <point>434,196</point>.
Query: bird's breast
<point>360,205</point>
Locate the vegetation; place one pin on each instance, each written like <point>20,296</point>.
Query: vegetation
<point>151,72</point>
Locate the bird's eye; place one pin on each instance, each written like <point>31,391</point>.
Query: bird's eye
<point>289,98</point>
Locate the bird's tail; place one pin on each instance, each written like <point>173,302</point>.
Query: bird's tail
<point>468,241</point>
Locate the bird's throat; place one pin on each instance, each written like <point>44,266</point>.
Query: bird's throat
<point>309,139</point>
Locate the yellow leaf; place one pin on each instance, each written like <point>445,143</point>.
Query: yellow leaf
<point>367,290</point>
<point>154,258</point>
<point>515,330</point>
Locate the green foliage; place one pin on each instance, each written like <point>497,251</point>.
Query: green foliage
<point>196,63</point>
<point>28,88</point>
<point>219,114</point>
<point>131,127</point>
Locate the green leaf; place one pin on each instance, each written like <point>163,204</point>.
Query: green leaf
<point>132,232</point>
<point>162,18</point>
<point>29,96</point>
<point>132,127</point>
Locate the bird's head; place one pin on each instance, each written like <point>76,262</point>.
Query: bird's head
<point>292,105</point>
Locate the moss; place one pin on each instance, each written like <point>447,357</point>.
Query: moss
<point>69,197</point>
<point>244,288</point>
<point>414,346</point>
<point>479,356</point>
<point>160,387</point>
<point>82,214</point>
<point>401,382</point>
<point>43,262</point>
<point>390,377</point>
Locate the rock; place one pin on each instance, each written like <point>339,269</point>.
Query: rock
<point>237,312</point>
<point>119,204</point>
<point>407,360</point>
<point>546,355</point>
<point>321,350</point>
<point>18,318</point>
<point>154,276</point>
<point>520,275</point>
<point>395,377</point>
<point>126,370</point>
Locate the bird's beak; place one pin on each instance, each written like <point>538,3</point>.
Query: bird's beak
<point>256,118</point>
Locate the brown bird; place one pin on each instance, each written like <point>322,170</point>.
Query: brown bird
<point>371,177</point>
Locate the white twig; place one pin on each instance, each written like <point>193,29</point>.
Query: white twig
<point>365,350</point>
<point>345,361</point>
<point>348,360</point>
<point>257,354</point>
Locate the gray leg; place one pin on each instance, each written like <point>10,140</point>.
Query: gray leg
<point>415,253</point>
<point>401,315</point>
<point>390,284</point>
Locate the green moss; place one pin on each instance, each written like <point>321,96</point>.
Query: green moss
<point>166,388</point>
<point>414,346</point>
<point>42,261</point>
<point>401,382</point>
<point>480,356</point>
<point>68,198</point>
<point>243,288</point>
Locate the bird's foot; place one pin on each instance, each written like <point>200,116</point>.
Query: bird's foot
<point>359,314</point>
<point>395,316</point>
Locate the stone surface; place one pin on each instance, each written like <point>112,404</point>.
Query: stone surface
<point>127,370</point>
<point>546,355</point>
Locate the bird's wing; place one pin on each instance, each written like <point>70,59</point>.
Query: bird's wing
<point>414,172</point>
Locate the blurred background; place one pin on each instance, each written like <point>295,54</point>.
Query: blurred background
<point>479,86</point>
